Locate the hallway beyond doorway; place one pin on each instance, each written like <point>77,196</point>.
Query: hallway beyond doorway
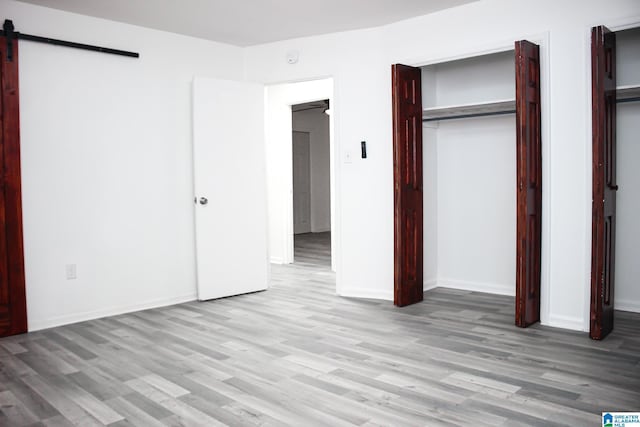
<point>312,249</point>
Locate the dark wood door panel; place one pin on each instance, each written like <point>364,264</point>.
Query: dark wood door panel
<point>529,183</point>
<point>604,185</point>
<point>4,267</point>
<point>407,167</point>
<point>13,311</point>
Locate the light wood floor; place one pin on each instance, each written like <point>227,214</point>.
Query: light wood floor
<point>299,355</point>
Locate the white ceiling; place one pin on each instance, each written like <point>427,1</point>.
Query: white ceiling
<point>250,22</point>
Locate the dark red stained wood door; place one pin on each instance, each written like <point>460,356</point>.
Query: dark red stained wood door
<point>603,240</point>
<point>529,183</point>
<point>13,309</point>
<point>407,172</point>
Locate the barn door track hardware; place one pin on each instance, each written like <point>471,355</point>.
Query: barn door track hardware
<point>9,32</point>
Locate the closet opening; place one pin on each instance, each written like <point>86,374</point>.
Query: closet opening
<point>467,171</point>
<point>311,183</point>
<point>616,178</point>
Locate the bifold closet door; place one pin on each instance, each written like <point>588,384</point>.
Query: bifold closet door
<point>603,243</point>
<point>13,306</point>
<point>407,177</point>
<point>529,183</point>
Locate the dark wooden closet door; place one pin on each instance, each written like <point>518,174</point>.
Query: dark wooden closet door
<point>529,184</point>
<point>13,309</point>
<point>407,172</point>
<point>603,241</point>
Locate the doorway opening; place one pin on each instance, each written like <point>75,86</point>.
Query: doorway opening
<point>311,183</point>
<point>299,137</point>
<point>616,179</point>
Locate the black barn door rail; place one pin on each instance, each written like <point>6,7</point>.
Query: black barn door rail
<point>10,34</point>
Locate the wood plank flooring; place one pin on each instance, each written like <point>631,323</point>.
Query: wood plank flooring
<point>298,355</point>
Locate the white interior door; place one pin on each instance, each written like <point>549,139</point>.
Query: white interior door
<point>301,183</point>
<point>230,190</point>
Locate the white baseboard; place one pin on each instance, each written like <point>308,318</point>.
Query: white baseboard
<point>627,305</point>
<point>276,260</point>
<point>566,322</point>
<point>490,288</point>
<point>366,293</point>
<point>556,321</point>
<point>429,284</point>
<point>38,324</point>
<point>321,229</point>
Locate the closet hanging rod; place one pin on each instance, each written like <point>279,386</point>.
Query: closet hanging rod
<point>8,32</point>
<point>624,100</point>
<point>630,93</point>
<point>467,116</point>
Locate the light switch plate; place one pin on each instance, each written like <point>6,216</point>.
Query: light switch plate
<point>71,271</point>
<point>348,156</point>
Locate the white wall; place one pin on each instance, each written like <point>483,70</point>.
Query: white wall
<point>476,204</point>
<point>628,57</point>
<point>107,164</point>
<point>627,280</point>
<point>360,63</point>
<point>278,139</point>
<point>317,124</point>
<point>430,202</point>
<point>470,80</point>
<point>627,286</point>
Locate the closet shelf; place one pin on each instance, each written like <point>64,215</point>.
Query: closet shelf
<point>627,93</point>
<point>493,108</point>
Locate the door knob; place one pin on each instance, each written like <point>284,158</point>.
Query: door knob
<point>203,200</point>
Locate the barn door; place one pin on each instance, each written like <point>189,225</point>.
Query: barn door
<point>603,76</point>
<point>407,176</point>
<point>529,183</point>
<point>13,307</point>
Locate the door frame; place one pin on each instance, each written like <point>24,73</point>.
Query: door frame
<point>279,154</point>
<point>11,186</point>
<point>543,41</point>
<point>614,26</point>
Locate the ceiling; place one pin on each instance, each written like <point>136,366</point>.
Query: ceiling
<point>251,22</point>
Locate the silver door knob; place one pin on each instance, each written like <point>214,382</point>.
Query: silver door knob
<point>203,200</point>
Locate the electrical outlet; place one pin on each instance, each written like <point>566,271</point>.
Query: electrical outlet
<point>71,271</point>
